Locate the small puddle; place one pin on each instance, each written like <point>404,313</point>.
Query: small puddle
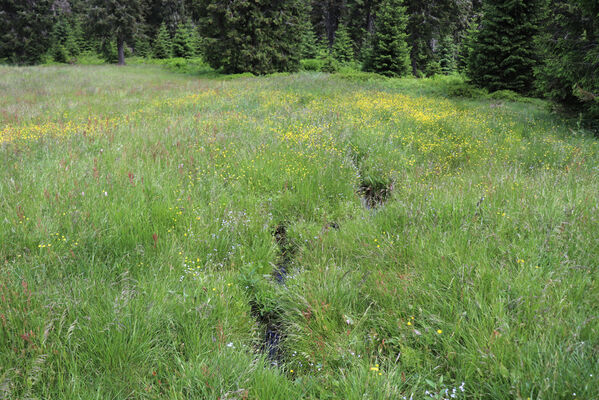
<point>375,194</point>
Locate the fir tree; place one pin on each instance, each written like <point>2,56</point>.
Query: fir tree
<point>59,38</point>
<point>504,53</point>
<point>429,22</point>
<point>569,73</point>
<point>82,43</point>
<point>142,46</point>
<point>259,36</point>
<point>25,30</point>
<point>390,52</point>
<point>163,46</point>
<point>183,44</point>
<point>447,55</point>
<point>342,47</point>
<point>309,42</point>
<point>64,43</point>
<point>116,20</point>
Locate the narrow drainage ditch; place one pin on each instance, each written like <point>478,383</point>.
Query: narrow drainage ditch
<point>374,191</point>
<point>269,317</point>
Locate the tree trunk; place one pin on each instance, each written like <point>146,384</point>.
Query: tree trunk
<point>120,44</point>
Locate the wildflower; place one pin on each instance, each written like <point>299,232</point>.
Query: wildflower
<point>439,331</point>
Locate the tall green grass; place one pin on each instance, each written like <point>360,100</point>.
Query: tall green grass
<point>138,212</point>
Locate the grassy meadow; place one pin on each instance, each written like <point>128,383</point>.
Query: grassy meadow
<point>156,228</point>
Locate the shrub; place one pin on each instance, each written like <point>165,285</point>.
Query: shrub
<point>359,76</point>
<point>330,65</point>
<point>508,95</point>
<point>311,64</point>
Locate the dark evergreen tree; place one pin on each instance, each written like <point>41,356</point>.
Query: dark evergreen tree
<point>325,16</point>
<point>447,55</point>
<point>360,23</point>
<point>429,22</point>
<point>172,13</point>
<point>309,45</point>
<point>64,43</point>
<point>60,33</point>
<point>142,47</point>
<point>504,53</point>
<point>343,50</point>
<point>163,46</point>
<point>259,36</point>
<point>183,42</point>
<point>25,30</point>
<point>116,20</point>
<point>390,52</point>
<point>570,71</point>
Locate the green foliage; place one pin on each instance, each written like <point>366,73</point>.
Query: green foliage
<point>358,76</point>
<point>89,58</point>
<point>433,67</point>
<point>330,65</point>
<point>390,54</point>
<point>508,95</point>
<point>429,23</point>
<point>65,45</point>
<point>82,42</point>
<point>163,46</point>
<point>310,43</point>
<point>447,55</point>
<point>569,73</point>
<point>342,49</point>
<point>504,52</point>
<point>466,46</point>
<point>109,51</point>
<point>311,64</point>
<point>25,29</point>
<point>184,42</point>
<point>142,46</point>
<point>115,20</point>
<point>259,36</point>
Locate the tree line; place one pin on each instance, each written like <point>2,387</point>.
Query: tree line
<point>534,47</point>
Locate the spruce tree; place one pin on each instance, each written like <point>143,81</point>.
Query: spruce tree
<point>260,36</point>
<point>25,30</point>
<point>183,44</point>
<point>343,50</point>
<point>64,43</point>
<point>163,46</point>
<point>428,23</point>
<point>59,37</point>
<point>447,55</point>
<point>116,20</point>
<point>390,53</point>
<point>504,53</point>
<point>309,47</point>
<point>569,73</point>
<point>142,46</point>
